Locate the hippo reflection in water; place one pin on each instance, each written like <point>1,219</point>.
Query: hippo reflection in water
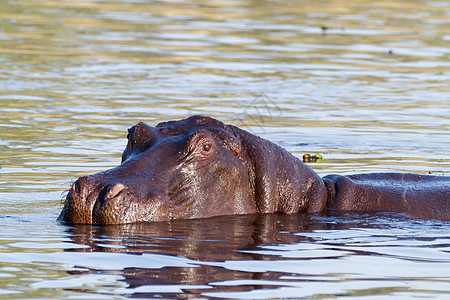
<point>200,167</point>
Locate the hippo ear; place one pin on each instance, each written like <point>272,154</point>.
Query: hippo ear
<point>140,137</point>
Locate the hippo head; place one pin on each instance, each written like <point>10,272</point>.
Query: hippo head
<point>198,167</point>
<point>183,169</point>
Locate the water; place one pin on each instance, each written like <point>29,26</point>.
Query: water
<point>365,84</point>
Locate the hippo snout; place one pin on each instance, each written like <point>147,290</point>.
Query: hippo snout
<point>87,198</point>
<point>92,200</point>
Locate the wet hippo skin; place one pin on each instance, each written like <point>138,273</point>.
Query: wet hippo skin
<point>200,167</point>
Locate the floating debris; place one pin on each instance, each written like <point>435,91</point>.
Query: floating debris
<point>312,158</point>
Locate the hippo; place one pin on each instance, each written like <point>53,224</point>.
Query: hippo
<point>200,167</point>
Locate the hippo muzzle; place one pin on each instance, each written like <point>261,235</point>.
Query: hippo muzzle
<point>90,201</point>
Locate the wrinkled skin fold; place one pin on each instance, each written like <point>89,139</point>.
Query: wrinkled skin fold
<point>200,167</point>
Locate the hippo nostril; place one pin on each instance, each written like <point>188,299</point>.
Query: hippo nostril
<point>79,187</point>
<point>114,191</point>
<point>75,189</point>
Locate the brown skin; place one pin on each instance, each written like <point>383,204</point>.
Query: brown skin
<point>200,167</point>
<point>421,196</point>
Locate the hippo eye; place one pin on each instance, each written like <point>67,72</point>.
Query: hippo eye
<point>200,145</point>
<point>207,147</point>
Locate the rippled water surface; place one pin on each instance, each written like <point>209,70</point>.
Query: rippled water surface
<point>364,83</point>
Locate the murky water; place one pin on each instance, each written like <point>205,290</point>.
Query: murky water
<point>364,83</point>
